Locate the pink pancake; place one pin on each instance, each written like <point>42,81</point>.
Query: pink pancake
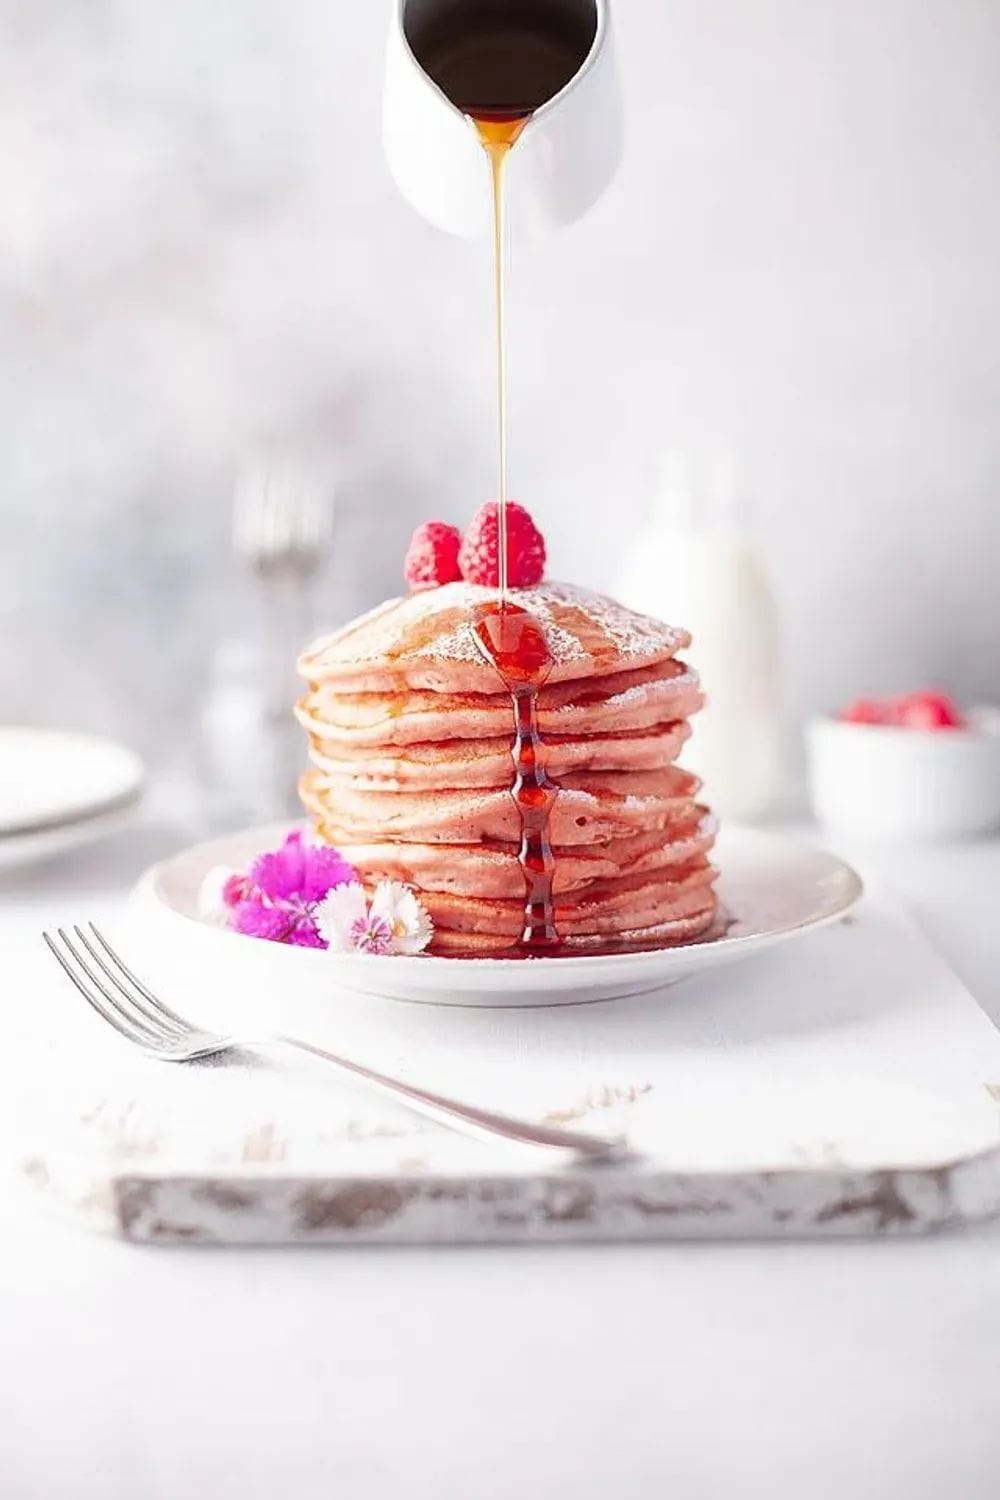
<point>621,701</point>
<point>637,901</point>
<point>491,872</point>
<point>426,641</point>
<point>411,735</point>
<point>661,934</point>
<point>581,814</point>
<point>487,762</point>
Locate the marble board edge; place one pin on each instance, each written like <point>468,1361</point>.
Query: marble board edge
<point>595,1204</point>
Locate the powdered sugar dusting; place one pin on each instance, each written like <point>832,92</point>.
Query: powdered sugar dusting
<point>662,687</point>
<point>577,795</point>
<point>643,692</point>
<point>383,631</point>
<point>633,634</point>
<point>636,694</point>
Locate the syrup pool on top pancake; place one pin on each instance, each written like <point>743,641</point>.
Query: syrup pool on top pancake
<point>427,640</point>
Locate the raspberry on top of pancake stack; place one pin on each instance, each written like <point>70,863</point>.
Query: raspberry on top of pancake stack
<point>411,730</point>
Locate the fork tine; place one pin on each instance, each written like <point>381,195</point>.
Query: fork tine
<point>301,518</point>
<point>157,1020</point>
<point>115,1016</point>
<point>150,1037</point>
<point>160,1006</point>
<point>319,519</point>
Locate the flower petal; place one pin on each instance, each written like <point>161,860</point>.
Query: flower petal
<point>415,942</point>
<point>300,869</point>
<point>304,935</point>
<point>337,914</point>
<point>256,919</point>
<point>212,903</point>
<point>323,868</point>
<point>280,873</point>
<point>372,935</point>
<point>410,923</point>
<point>236,889</point>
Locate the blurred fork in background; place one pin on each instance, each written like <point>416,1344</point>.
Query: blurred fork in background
<point>283,528</point>
<point>283,520</point>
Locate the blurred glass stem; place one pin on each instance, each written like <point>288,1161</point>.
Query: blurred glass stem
<point>282,528</point>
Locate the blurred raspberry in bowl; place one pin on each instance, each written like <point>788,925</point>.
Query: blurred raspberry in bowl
<point>911,768</point>
<point>924,710</point>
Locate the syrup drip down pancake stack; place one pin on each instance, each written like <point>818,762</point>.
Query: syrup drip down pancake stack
<point>411,733</point>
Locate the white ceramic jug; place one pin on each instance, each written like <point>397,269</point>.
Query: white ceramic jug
<point>565,156</point>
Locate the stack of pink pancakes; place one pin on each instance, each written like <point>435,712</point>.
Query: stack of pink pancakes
<point>410,732</point>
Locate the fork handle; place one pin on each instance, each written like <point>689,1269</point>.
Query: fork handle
<point>471,1120</point>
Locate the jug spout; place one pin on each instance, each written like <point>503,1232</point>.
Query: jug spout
<point>550,61</point>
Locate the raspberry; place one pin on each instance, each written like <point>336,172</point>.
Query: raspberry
<point>480,550</point>
<point>864,711</point>
<point>927,711</point>
<point>912,711</point>
<point>432,556</point>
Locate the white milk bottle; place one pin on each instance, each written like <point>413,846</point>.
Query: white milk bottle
<point>693,565</point>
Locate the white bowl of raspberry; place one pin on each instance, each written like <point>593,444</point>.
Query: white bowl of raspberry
<point>912,768</point>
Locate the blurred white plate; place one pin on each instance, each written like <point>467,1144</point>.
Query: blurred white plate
<point>50,780</point>
<point>20,849</point>
<point>773,889</point>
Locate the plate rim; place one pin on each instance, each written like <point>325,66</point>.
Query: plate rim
<point>129,791</point>
<point>590,963</point>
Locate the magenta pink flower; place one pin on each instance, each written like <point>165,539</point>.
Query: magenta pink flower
<point>235,888</point>
<point>309,896</point>
<point>278,896</point>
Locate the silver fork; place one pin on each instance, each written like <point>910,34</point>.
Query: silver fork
<point>119,997</point>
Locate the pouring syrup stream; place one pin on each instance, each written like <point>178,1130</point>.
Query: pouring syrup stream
<point>507,635</point>
<point>498,63</point>
<point>498,130</point>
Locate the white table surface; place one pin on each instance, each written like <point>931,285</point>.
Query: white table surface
<point>775,1370</point>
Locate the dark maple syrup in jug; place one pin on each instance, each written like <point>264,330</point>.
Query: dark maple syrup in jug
<point>500,56</point>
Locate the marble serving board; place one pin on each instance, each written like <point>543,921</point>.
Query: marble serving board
<point>845,1084</point>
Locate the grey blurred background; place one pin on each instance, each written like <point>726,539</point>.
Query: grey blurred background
<point>201,250</point>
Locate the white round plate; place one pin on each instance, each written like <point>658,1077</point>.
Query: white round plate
<point>49,779</point>
<point>59,791</point>
<point>23,849</point>
<point>772,887</point>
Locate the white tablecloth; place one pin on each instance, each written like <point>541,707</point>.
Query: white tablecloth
<point>804,1371</point>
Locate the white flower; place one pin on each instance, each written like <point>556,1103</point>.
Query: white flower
<point>394,923</point>
<point>342,916</point>
<point>212,904</point>
<point>409,923</point>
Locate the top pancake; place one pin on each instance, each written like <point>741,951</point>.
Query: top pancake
<point>426,641</point>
